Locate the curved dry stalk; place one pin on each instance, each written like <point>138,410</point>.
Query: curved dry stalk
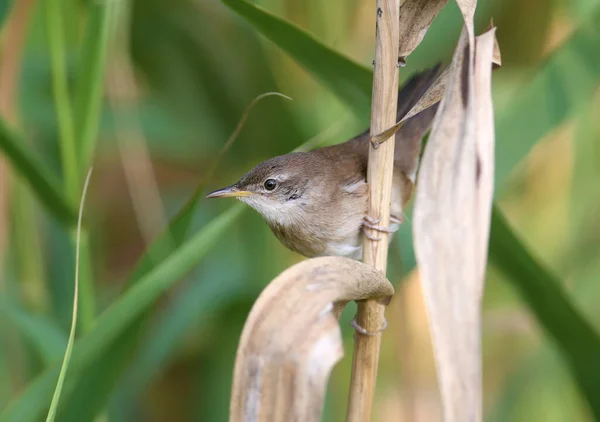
<point>292,339</point>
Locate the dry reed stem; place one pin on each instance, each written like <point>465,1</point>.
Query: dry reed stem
<point>292,339</point>
<point>370,315</point>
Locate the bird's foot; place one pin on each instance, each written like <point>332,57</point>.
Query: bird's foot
<point>397,220</point>
<point>362,331</point>
<point>372,224</point>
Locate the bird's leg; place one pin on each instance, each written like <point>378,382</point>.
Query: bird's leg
<point>371,223</point>
<point>361,330</point>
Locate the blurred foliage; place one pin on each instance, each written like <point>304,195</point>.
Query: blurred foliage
<point>153,356</point>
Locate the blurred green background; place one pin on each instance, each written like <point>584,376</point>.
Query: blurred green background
<point>166,84</point>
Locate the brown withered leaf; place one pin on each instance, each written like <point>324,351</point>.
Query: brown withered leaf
<point>467,8</point>
<point>451,224</point>
<point>431,97</point>
<point>415,18</point>
<point>292,339</point>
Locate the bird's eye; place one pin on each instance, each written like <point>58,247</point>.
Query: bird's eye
<point>270,184</point>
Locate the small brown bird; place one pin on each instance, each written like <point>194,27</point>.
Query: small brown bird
<point>316,202</point>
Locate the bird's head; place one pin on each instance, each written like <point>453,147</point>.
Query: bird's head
<point>278,188</point>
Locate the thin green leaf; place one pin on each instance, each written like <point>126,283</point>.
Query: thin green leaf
<point>121,315</point>
<point>90,78</point>
<point>200,299</point>
<point>347,79</point>
<point>578,342</point>
<point>47,339</point>
<point>65,365</point>
<point>40,180</point>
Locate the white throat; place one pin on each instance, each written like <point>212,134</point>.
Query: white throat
<point>284,214</point>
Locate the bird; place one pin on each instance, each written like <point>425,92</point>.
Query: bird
<point>316,202</point>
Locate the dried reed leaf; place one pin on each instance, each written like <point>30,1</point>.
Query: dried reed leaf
<point>486,48</point>
<point>467,8</point>
<point>415,18</point>
<point>292,339</point>
<point>431,97</point>
<point>451,224</point>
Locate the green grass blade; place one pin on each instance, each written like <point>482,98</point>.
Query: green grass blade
<point>347,79</point>
<point>122,314</point>
<point>67,358</point>
<point>40,180</point>
<point>199,300</point>
<point>44,335</point>
<point>55,27</point>
<point>90,78</point>
<point>544,295</point>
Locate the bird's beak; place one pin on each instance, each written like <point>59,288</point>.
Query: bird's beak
<point>229,191</point>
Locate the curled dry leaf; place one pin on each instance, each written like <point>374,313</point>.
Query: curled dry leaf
<point>415,18</point>
<point>451,224</point>
<point>292,339</point>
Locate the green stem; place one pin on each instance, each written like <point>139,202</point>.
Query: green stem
<point>90,79</point>
<point>56,41</point>
<point>26,243</point>
<point>87,302</point>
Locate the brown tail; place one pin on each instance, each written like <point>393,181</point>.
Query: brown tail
<point>408,138</point>
<point>413,89</point>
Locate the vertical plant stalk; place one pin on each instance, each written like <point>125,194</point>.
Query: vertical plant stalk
<point>88,110</point>
<point>10,69</point>
<point>69,350</point>
<point>370,314</point>
<point>56,40</point>
<point>90,79</point>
